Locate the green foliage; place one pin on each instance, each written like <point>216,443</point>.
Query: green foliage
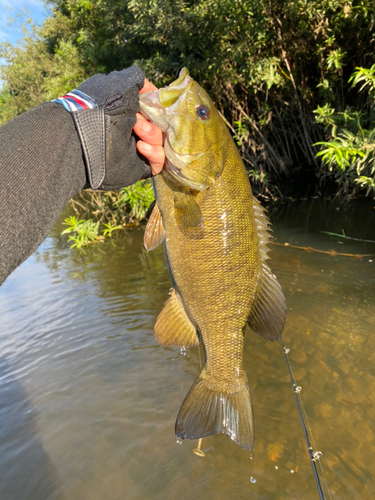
<point>366,77</point>
<point>335,59</point>
<point>136,199</point>
<point>267,66</point>
<point>338,120</point>
<point>351,158</point>
<point>84,231</point>
<point>101,213</point>
<point>109,229</point>
<point>350,153</point>
<point>33,74</point>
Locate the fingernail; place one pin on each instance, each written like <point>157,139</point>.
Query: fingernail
<point>144,125</point>
<point>145,146</point>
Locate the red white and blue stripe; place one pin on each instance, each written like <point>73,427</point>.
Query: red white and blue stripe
<point>75,101</point>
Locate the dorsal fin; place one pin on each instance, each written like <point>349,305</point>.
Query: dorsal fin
<point>263,228</point>
<point>268,313</point>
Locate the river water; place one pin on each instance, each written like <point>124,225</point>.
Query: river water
<point>88,399</point>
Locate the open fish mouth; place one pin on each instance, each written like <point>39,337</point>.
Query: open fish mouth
<point>153,110</point>
<point>160,106</point>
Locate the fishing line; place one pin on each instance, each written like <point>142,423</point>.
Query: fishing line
<point>314,456</point>
<point>317,454</point>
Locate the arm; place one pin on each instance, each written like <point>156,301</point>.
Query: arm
<point>42,166</point>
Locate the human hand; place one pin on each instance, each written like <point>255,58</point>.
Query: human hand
<point>104,109</point>
<point>151,143</point>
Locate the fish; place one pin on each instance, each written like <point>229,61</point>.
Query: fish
<point>215,235</point>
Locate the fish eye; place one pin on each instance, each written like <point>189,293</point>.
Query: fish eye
<point>203,112</point>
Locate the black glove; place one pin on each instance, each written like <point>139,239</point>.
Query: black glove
<point>103,109</point>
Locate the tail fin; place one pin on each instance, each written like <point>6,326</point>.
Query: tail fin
<point>206,411</point>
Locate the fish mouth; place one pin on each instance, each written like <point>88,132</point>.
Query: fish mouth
<point>151,108</point>
<point>168,96</point>
<point>176,166</point>
<point>159,106</point>
<point>185,179</point>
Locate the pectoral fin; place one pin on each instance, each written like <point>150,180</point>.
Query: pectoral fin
<point>173,326</point>
<point>154,234</point>
<point>188,215</point>
<point>268,313</point>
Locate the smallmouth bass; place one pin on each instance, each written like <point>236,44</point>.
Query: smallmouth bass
<point>215,238</point>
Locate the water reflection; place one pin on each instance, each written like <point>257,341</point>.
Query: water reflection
<point>78,351</point>
<point>21,449</point>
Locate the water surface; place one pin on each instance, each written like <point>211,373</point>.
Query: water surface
<point>88,399</point>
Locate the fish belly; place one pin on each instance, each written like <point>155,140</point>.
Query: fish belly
<point>217,275</point>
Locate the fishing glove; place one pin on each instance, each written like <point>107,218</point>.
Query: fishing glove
<point>103,109</point>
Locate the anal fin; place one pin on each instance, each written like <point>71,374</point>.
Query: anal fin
<point>173,326</point>
<point>154,234</point>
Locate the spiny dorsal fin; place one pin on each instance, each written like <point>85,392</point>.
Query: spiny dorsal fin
<point>268,313</point>
<point>173,326</point>
<point>262,224</point>
<point>154,234</point>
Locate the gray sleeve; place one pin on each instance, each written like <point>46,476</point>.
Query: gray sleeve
<point>42,167</point>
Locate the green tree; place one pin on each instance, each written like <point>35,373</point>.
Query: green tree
<point>33,73</point>
<point>267,64</point>
<point>350,152</point>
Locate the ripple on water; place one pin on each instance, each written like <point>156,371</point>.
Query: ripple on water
<point>88,400</point>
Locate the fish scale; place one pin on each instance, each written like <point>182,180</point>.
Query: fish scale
<point>215,237</point>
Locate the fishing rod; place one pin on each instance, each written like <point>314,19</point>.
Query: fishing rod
<point>314,456</point>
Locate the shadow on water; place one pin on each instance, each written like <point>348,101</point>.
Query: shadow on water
<point>78,339</point>
<point>26,471</point>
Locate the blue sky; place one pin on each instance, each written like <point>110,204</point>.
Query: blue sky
<point>10,8</point>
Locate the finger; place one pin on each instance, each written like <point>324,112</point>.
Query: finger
<point>147,87</point>
<point>148,132</point>
<point>154,154</point>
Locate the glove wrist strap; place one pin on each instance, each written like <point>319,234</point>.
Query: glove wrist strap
<point>90,126</point>
<point>89,119</point>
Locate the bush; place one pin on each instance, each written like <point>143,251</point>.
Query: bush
<point>267,65</point>
<point>350,152</point>
<point>106,212</point>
